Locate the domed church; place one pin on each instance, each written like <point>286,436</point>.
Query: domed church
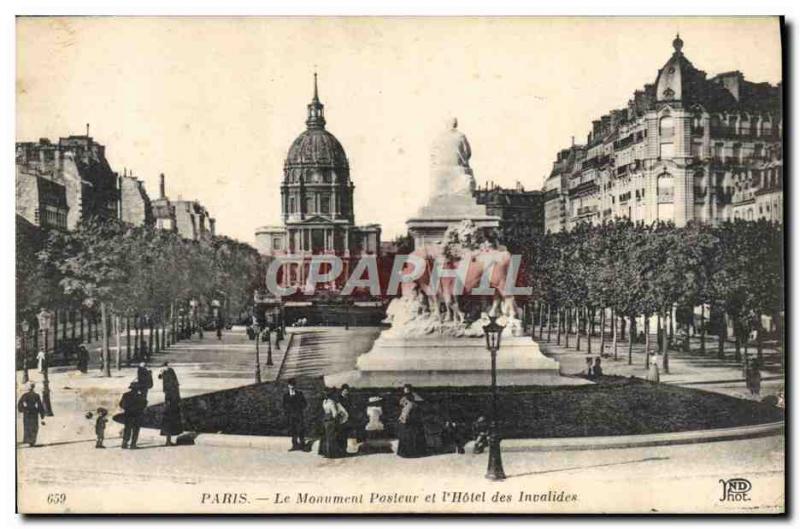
<point>317,198</point>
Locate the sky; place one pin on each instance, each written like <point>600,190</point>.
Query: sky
<point>215,103</point>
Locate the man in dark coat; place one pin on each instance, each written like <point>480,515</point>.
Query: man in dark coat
<point>30,406</point>
<point>83,359</point>
<point>597,370</point>
<point>133,403</point>
<point>294,404</point>
<point>145,378</point>
<point>171,423</point>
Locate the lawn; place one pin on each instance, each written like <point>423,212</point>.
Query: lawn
<point>615,406</point>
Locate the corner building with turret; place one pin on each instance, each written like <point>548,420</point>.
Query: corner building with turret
<point>686,148</point>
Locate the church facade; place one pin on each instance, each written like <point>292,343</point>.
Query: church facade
<point>317,200</point>
<point>686,148</point>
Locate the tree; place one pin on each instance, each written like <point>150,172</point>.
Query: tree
<point>93,265</point>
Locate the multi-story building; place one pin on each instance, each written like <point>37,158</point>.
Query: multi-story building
<point>686,147</point>
<point>186,217</point>
<point>317,200</point>
<point>58,185</point>
<point>134,203</point>
<point>521,212</point>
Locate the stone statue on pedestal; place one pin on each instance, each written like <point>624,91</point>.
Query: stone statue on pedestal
<point>435,334</point>
<point>450,171</point>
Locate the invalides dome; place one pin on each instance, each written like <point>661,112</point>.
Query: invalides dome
<point>316,154</point>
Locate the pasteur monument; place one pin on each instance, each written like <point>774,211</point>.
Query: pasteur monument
<point>435,336</point>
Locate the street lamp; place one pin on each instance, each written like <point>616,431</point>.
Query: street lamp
<point>257,328</point>
<point>269,345</point>
<point>193,316</point>
<point>493,332</point>
<point>45,318</point>
<point>25,328</point>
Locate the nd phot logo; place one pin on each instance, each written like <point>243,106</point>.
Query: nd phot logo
<point>735,489</point>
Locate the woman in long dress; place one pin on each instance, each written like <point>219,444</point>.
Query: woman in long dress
<point>410,430</point>
<point>41,358</point>
<point>333,417</point>
<point>171,423</point>
<point>652,372</point>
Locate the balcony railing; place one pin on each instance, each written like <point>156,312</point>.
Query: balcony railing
<point>721,131</point>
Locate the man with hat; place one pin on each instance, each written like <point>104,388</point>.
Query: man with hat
<point>133,402</point>
<point>294,404</point>
<point>83,359</point>
<point>144,377</point>
<point>30,406</point>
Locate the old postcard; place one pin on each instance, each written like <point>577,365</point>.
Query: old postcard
<point>400,265</point>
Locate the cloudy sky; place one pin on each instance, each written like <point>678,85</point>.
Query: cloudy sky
<point>214,103</point>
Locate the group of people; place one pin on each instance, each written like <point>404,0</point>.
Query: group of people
<point>345,430</point>
<point>134,403</point>
<point>594,369</point>
<point>265,334</point>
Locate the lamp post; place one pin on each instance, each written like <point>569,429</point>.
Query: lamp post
<point>494,472</point>
<point>25,328</point>
<point>269,345</point>
<point>257,328</point>
<point>45,318</point>
<point>217,314</point>
<point>192,317</point>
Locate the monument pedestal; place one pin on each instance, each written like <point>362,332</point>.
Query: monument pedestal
<point>432,221</point>
<point>450,361</point>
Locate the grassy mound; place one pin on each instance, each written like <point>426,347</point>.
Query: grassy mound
<point>615,406</point>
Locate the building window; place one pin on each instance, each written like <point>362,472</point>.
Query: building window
<point>744,127</point>
<point>277,243</point>
<point>666,127</point>
<point>718,150</point>
<point>737,152</point>
<point>292,206</point>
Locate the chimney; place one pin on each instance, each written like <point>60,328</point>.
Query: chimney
<point>161,193</point>
<point>87,130</point>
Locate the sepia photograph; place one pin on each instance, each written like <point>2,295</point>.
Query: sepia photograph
<point>400,265</point>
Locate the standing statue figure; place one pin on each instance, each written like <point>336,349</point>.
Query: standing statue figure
<point>450,170</point>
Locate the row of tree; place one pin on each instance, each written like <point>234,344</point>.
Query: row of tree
<point>624,271</point>
<point>123,271</point>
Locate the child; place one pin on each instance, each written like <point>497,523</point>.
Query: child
<point>100,426</point>
<point>480,431</point>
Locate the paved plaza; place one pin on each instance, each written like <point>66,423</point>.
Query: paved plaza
<point>262,466</point>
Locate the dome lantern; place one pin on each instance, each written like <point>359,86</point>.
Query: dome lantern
<point>678,43</point>
<point>316,110</point>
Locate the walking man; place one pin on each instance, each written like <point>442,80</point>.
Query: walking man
<point>30,406</point>
<point>294,404</point>
<point>133,402</point>
<point>145,378</point>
